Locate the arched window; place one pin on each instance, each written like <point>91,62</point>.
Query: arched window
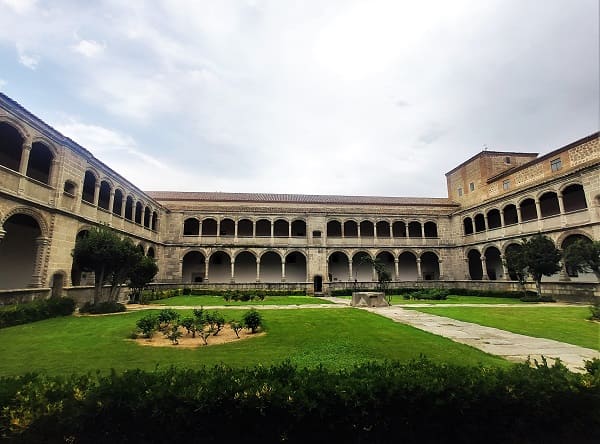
<point>191,227</point>
<point>399,229</point>
<point>227,228</point>
<point>139,212</point>
<point>154,220</point>
<point>299,229</point>
<point>104,195</point>
<point>147,216</point>
<point>383,228</point>
<point>574,198</point>
<point>70,188</point>
<point>367,229</point>
<point>494,220</point>
<point>209,227</point>
<point>479,222</point>
<point>334,228</point>
<point>129,208</point>
<point>11,146</point>
<point>528,210</point>
<point>468,225</point>
<point>118,203</point>
<point>414,229</point>
<point>350,229</point>
<point>549,204</point>
<point>510,215</point>
<point>430,229</point>
<point>245,228</point>
<point>281,228</point>
<point>89,187</point>
<point>40,162</point>
<point>263,228</point>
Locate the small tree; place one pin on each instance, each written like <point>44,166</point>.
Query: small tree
<point>236,326</point>
<point>516,265</point>
<point>140,275</point>
<point>216,321</point>
<point>148,324</point>
<point>538,256</point>
<point>252,320</point>
<point>583,256</point>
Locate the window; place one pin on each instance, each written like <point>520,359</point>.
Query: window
<point>506,185</point>
<point>472,186</point>
<point>555,164</point>
<point>69,188</point>
<point>316,234</point>
<point>507,160</point>
<point>460,191</point>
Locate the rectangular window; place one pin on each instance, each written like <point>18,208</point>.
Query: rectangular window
<point>472,186</point>
<point>316,234</point>
<point>507,160</point>
<point>460,191</point>
<point>506,185</point>
<point>555,164</point>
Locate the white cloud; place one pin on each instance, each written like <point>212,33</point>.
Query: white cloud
<point>88,48</point>
<point>28,60</point>
<point>3,83</point>
<point>20,6</point>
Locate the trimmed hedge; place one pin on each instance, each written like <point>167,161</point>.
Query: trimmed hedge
<point>209,292</point>
<point>451,291</point>
<point>35,311</point>
<point>417,402</point>
<point>102,307</point>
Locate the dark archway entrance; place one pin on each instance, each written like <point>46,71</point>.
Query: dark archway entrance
<point>318,284</point>
<point>18,252</point>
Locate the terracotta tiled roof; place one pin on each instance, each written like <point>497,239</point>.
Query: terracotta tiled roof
<point>295,198</point>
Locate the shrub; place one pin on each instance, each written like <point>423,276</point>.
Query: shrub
<point>535,298</point>
<point>173,334</point>
<point>216,321</point>
<point>148,324</point>
<point>186,291</point>
<point>252,320</point>
<point>595,310</point>
<point>435,294</point>
<point>190,325</point>
<point>167,317</point>
<point>35,311</point>
<point>102,307</point>
<point>236,326</point>
<point>415,402</point>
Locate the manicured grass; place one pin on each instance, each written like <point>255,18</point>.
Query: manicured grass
<point>209,301</point>
<point>337,338</point>
<point>452,299</point>
<point>565,324</point>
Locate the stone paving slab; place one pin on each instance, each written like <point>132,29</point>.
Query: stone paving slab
<point>512,346</point>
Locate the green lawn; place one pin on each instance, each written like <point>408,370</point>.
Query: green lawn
<point>337,338</point>
<point>565,324</point>
<point>452,299</point>
<point>210,301</point>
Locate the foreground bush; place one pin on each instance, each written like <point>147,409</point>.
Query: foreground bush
<point>35,311</point>
<point>102,307</point>
<point>418,402</point>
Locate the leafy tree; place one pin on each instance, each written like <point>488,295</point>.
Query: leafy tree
<point>148,324</point>
<point>216,321</point>
<point>537,257</point>
<point>167,317</point>
<point>383,276</point>
<point>516,264</point>
<point>109,256</point>
<point>140,275</point>
<point>173,334</point>
<point>252,320</point>
<point>190,325</point>
<point>583,256</point>
<point>236,326</point>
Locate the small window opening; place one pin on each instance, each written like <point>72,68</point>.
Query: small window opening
<point>472,186</point>
<point>555,164</point>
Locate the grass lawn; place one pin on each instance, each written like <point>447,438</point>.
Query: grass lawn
<point>452,299</point>
<point>337,338</point>
<point>565,324</point>
<point>209,301</point>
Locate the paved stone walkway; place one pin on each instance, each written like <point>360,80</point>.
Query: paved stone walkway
<point>511,346</point>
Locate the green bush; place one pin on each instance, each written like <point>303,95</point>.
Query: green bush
<point>434,294</point>
<point>595,310</point>
<point>35,311</point>
<point>102,307</point>
<point>186,291</point>
<point>148,324</point>
<point>252,320</point>
<point>166,318</point>
<point>415,402</point>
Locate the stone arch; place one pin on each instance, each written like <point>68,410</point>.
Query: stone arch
<point>407,266</point>
<point>90,179</point>
<point>245,227</point>
<point>474,264</point>
<point>430,228</point>
<point>548,204</point>
<point>193,266</point>
<point>151,252</point>
<point>21,253</point>
<point>574,197</point>
<point>17,125</point>
<point>387,258</point>
<point>494,219</point>
<point>361,271</point>
<point>299,228</point>
<point>245,266</point>
<point>350,228</point>
<point>383,228</point>
<point>139,212</point>
<point>281,228</point>
<point>338,266</point>
<point>191,227</point>
<point>334,228</point>
<point>367,228</point>
<point>147,216</point>
<point>430,265</point>
<point>479,220</point>
<point>104,194</point>
<point>510,214</point>
<point>528,209</point>
<point>39,165</point>
<point>227,227</point>
<point>399,228</point>
<point>118,202</point>
<point>295,266</point>
<point>493,262</point>
<point>270,266</point>
<point>129,207</point>
<point>39,218</point>
<point>219,266</point>
<point>154,220</point>
<point>209,226</point>
<point>468,225</point>
<point>511,246</point>
<point>263,227</point>
<point>415,229</point>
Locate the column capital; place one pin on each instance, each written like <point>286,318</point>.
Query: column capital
<point>2,233</point>
<point>27,146</point>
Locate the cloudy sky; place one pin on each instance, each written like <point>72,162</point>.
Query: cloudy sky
<point>347,97</point>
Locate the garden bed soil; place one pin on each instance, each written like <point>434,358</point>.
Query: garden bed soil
<point>186,341</point>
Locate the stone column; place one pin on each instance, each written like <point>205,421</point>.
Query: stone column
<point>254,229</point>
<point>283,270</point>
<point>40,250</point>
<point>561,207</point>
<point>235,229</point>
<point>538,209</point>
<point>504,268</point>
<point>200,228</point>
<point>484,268</point>
<point>419,273</point>
<point>272,230</point>
<point>440,262</point>
<point>350,271</point>
<point>375,230</point>
<point>373,274</point>
<point>519,216</point>
<point>2,234</point>
<point>396,270</point>
<point>289,229</point>
<point>218,228</point>
<point>423,231</point>
<point>206,263</point>
<point>25,152</point>
<point>111,201</point>
<point>257,270</point>
<point>502,218</point>
<point>343,230</point>
<point>467,273</point>
<point>97,194</point>
<point>133,210</point>
<point>358,230</point>
<point>405,230</point>
<point>232,270</point>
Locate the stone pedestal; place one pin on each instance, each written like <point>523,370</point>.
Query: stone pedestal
<point>369,299</point>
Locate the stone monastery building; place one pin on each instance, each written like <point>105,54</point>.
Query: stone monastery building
<point>52,190</point>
